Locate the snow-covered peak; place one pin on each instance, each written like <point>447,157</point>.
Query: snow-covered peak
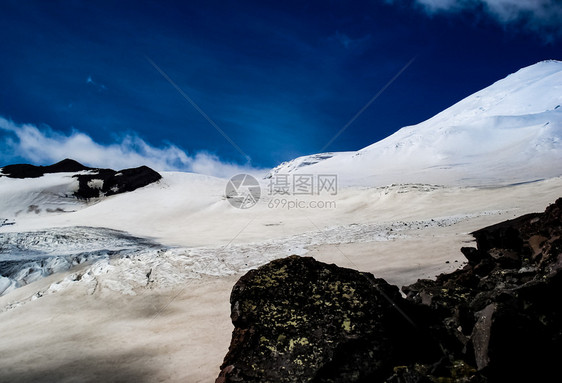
<point>508,132</point>
<point>533,89</point>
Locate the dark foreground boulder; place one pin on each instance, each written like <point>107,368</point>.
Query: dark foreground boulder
<point>299,320</point>
<point>93,182</point>
<point>498,319</point>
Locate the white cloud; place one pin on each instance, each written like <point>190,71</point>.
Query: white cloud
<point>542,16</point>
<point>539,11</point>
<point>46,146</point>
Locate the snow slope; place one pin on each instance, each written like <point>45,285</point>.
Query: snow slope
<point>164,310</point>
<point>507,133</point>
<point>49,193</point>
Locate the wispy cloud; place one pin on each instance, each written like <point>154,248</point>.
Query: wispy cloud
<point>541,16</point>
<point>46,146</point>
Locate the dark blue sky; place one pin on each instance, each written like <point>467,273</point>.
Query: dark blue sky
<point>279,78</point>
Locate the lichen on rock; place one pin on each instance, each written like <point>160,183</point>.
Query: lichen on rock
<point>297,320</point>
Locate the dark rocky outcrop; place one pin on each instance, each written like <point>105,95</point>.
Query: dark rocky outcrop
<point>114,182</point>
<point>300,320</point>
<point>502,313</point>
<point>93,182</point>
<point>498,319</point>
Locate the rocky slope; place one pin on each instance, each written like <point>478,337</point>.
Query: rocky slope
<point>497,319</point>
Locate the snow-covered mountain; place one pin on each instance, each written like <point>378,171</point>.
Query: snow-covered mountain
<point>507,133</point>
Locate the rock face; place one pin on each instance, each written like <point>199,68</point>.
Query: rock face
<point>502,313</point>
<point>106,182</point>
<point>497,319</point>
<point>93,183</point>
<point>299,320</point>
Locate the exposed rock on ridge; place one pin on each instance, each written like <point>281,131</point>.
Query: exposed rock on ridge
<point>92,182</point>
<point>32,171</point>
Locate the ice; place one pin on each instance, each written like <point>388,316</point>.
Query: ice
<point>6,285</point>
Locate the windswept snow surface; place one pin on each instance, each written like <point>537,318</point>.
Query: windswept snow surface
<point>184,228</point>
<point>161,306</point>
<point>49,193</point>
<point>507,133</point>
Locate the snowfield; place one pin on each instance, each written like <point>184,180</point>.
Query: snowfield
<point>135,287</point>
<point>29,256</point>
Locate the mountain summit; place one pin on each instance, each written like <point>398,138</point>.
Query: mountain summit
<point>509,132</point>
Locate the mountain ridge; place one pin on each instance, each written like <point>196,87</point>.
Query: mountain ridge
<point>32,171</point>
<point>508,132</point>
<point>92,182</point>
